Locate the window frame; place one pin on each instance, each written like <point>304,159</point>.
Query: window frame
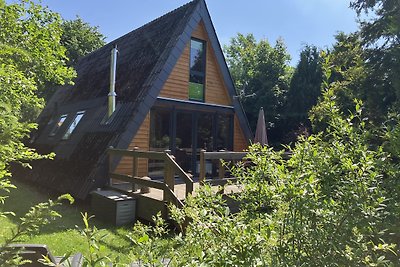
<point>200,74</point>
<point>67,134</point>
<point>58,124</point>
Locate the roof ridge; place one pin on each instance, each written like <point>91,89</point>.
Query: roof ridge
<point>194,2</point>
<point>148,24</point>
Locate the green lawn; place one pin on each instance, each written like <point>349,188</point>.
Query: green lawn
<point>62,235</point>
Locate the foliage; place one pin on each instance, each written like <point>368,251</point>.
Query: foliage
<point>215,237</point>
<point>30,58</point>
<point>344,74</point>
<point>152,244</point>
<point>261,74</point>
<point>356,78</point>
<point>79,38</point>
<point>305,88</point>
<point>30,43</point>
<point>383,28</point>
<point>93,236</point>
<point>380,37</point>
<point>329,204</point>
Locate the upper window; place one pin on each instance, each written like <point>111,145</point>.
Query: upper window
<point>58,125</point>
<point>73,125</point>
<point>197,70</point>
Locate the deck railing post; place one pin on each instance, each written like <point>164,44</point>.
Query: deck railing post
<point>189,186</point>
<point>169,178</point>
<point>202,174</point>
<point>110,164</point>
<point>135,164</point>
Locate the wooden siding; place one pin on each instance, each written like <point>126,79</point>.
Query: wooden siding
<point>141,140</point>
<point>239,140</point>
<point>178,82</point>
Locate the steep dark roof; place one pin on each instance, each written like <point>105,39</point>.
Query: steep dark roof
<point>146,57</point>
<point>80,161</point>
<point>139,53</point>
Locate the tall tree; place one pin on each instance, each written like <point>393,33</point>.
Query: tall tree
<point>79,38</point>
<point>30,40</point>
<point>261,74</point>
<point>380,36</point>
<point>30,58</point>
<point>305,88</point>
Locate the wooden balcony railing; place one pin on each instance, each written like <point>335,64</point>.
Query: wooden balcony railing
<point>220,156</point>
<point>171,170</point>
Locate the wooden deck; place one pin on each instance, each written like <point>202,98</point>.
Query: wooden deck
<point>153,196</point>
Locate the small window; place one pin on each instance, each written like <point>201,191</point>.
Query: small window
<point>197,70</point>
<point>73,125</point>
<point>58,125</point>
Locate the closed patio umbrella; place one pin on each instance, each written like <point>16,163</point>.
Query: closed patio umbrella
<point>261,130</point>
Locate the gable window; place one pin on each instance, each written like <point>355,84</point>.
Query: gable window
<point>197,70</point>
<point>58,125</point>
<point>73,125</point>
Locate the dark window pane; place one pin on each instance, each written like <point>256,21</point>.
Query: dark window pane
<point>204,140</point>
<point>204,132</point>
<point>196,78</point>
<point>224,134</point>
<point>58,125</point>
<point>183,141</point>
<point>196,56</point>
<point>159,139</point>
<point>159,130</point>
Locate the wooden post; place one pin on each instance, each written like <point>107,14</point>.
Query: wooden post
<point>110,164</point>
<point>202,174</point>
<point>169,178</point>
<point>135,163</point>
<point>189,186</point>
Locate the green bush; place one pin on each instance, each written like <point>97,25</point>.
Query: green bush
<point>334,202</point>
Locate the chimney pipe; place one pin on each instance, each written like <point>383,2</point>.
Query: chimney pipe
<point>113,71</point>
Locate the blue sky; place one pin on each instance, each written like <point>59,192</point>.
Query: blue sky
<point>298,22</point>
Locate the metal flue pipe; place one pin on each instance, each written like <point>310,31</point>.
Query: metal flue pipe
<point>113,72</point>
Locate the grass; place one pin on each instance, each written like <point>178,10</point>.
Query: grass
<point>61,235</point>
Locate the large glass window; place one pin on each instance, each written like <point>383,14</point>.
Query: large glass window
<point>160,130</point>
<point>197,70</point>
<point>73,125</point>
<point>186,132</point>
<point>58,125</point>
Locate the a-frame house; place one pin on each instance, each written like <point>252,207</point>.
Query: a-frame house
<point>174,91</point>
